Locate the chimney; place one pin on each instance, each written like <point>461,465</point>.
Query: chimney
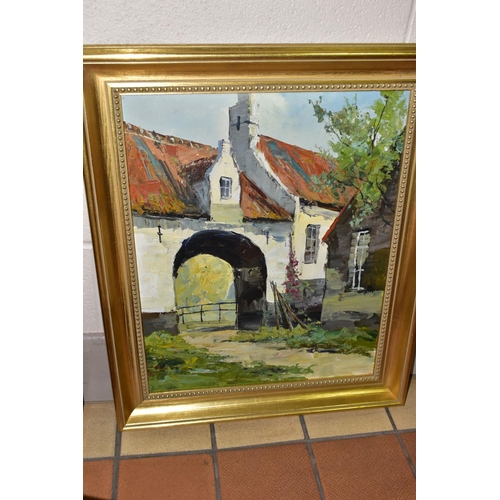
<point>244,137</point>
<point>244,119</point>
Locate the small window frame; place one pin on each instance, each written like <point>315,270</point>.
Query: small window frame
<point>360,245</point>
<point>312,244</point>
<point>226,188</point>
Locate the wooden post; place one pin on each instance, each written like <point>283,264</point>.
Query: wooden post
<point>273,286</point>
<point>283,306</point>
<point>290,310</point>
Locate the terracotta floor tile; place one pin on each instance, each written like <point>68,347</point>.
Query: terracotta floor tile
<point>260,431</point>
<point>99,430</point>
<point>405,417</point>
<point>268,473</point>
<point>372,468</point>
<point>181,477</point>
<point>98,479</point>
<point>410,441</point>
<point>169,439</point>
<point>344,423</point>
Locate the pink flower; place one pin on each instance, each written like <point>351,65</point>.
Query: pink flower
<point>292,283</point>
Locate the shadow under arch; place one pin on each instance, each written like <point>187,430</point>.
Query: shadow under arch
<point>249,269</point>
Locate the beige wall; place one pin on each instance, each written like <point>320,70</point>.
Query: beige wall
<point>318,216</point>
<point>221,209</point>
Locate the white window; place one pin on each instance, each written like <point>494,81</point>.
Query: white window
<point>359,252</point>
<point>226,184</point>
<point>312,244</point>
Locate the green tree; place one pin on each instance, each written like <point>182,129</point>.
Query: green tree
<point>364,150</point>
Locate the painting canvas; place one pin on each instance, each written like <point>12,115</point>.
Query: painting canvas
<point>262,226</point>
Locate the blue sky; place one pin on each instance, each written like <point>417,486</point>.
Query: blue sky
<point>204,117</point>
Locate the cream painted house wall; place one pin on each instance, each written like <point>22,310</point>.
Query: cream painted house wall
<point>155,259</point>
<point>174,22</point>
<point>224,209</point>
<point>303,217</point>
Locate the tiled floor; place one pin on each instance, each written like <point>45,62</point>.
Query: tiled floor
<point>360,454</point>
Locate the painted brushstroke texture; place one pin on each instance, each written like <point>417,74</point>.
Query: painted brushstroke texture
<point>217,232</point>
<point>225,199</point>
<point>161,169</point>
<point>204,279</point>
<point>155,260</point>
<point>167,176</point>
<point>295,167</point>
<point>256,205</point>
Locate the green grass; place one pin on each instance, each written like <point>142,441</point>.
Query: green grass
<point>370,303</point>
<point>346,341</point>
<point>174,364</point>
<point>268,334</point>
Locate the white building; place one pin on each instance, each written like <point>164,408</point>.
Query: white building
<point>245,203</point>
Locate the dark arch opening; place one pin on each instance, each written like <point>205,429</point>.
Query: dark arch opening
<point>249,268</point>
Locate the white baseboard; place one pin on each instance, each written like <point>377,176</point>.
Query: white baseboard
<point>96,378</point>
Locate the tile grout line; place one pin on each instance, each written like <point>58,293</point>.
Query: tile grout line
<point>401,443</point>
<point>311,457</point>
<point>213,438</point>
<point>166,454</point>
<point>318,440</point>
<point>116,464</point>
<point>253,446</point>
<point>98,459</point>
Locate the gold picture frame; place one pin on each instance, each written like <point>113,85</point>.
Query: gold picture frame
<point>113,73</point>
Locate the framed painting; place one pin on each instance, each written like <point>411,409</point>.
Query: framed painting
<point>253,219</point>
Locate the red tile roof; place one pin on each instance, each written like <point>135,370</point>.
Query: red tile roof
<point>295,167</point>
<point>256,205</point>
<point>161,171</point>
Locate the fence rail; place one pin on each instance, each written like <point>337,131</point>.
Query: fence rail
<point>204,309</point>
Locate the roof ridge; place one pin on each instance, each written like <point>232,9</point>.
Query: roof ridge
<point>167,139</point>
<point>281,213</point>
<point>290,144</point>
<point>340,215</point>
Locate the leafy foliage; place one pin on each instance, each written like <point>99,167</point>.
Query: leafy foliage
<point>365,149</point>
<point>268,334</point>
<point>345,341</point>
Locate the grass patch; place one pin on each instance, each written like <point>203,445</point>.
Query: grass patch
<point>174,364</point>
<point>345,341</point>
<point>268,334</point>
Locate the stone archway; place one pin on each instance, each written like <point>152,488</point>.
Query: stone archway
<point>249,268</point>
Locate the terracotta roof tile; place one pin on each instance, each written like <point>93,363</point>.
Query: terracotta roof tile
<point>256,205</point>
<point>161,170</point>
<point>295,167</point>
